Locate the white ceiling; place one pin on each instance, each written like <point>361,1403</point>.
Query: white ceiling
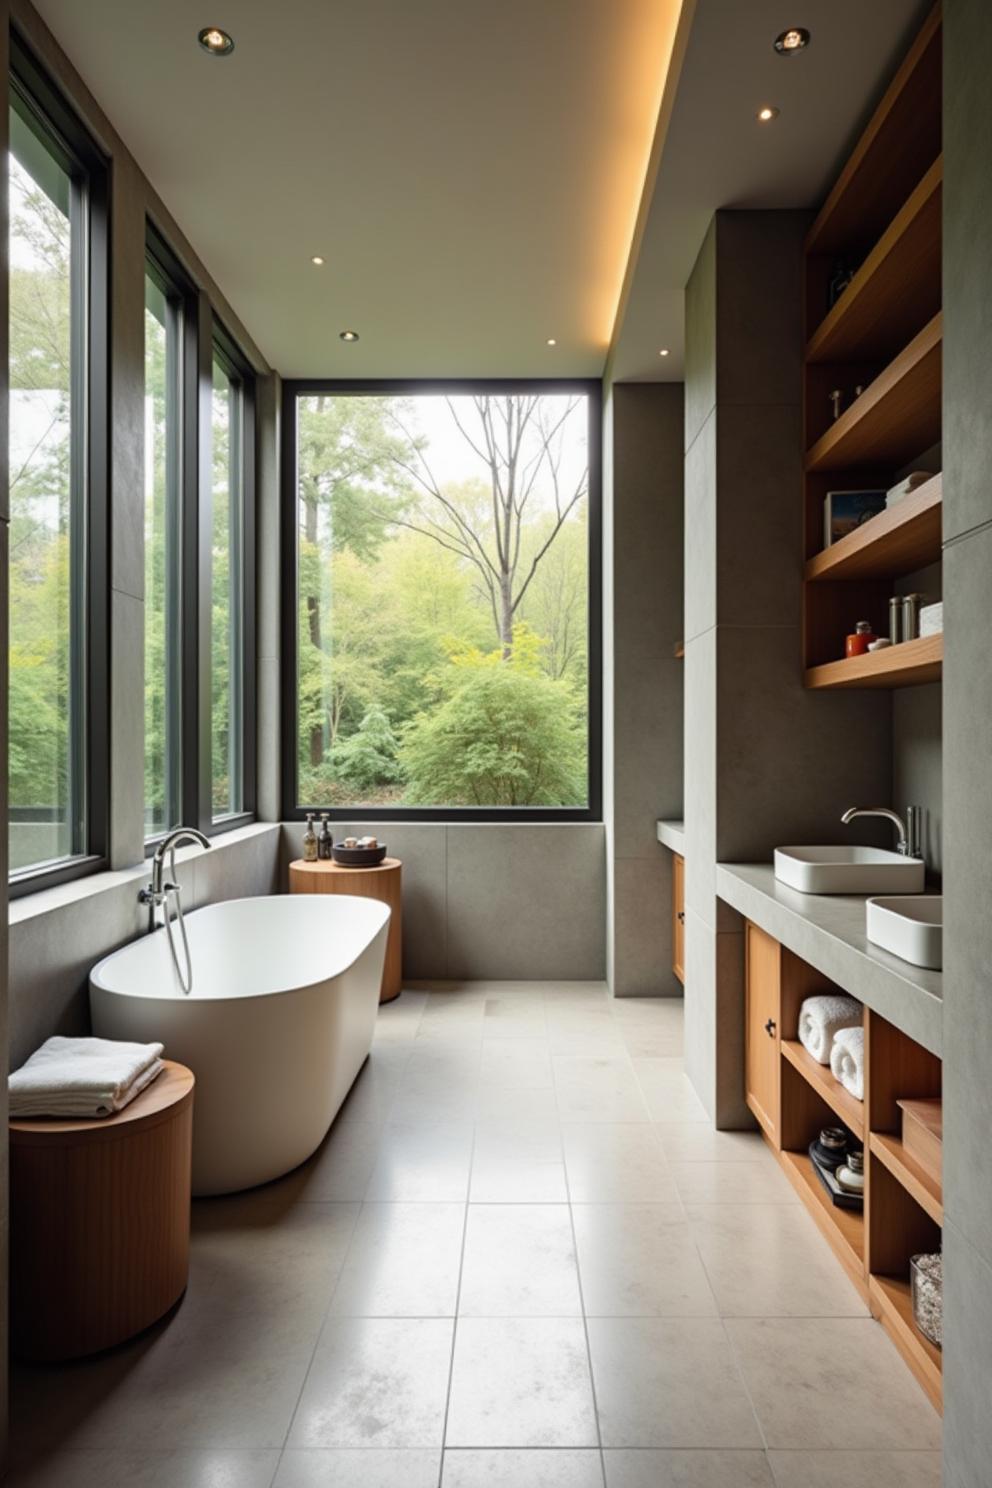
<point>717,154</point>
<point>471,172</point>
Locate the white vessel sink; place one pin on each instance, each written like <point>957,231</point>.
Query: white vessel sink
<point>848,870</point>
<point>911,926</point>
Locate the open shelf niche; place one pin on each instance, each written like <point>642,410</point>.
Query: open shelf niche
<point>882,335</point>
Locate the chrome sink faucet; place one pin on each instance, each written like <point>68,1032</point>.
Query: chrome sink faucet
<point>909,839</point>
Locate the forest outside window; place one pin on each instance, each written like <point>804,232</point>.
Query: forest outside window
<point>445,550</point>
<point>57,596</point>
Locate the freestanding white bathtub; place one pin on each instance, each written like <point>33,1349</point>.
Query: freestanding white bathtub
<point>277,1026</point>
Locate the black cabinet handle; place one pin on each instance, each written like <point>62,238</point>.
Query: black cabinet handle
<point>770,1028</point>
<point>680,916</point>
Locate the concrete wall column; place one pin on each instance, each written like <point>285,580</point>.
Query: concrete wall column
<point>967,745</point>
<point>644,717</point>
<point>767,762</point>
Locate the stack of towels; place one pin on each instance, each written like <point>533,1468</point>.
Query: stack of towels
<point>831,1028</point>
<point>82,1077</point>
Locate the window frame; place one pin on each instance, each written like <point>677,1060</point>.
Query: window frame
<point>72,145</point>
<point>292,391</point>
<point>204,336</point>
<point>162,265</point>
<point>225,349</point>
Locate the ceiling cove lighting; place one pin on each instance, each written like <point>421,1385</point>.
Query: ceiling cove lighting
<point>795,40</point>
<point>215,41</point>
<point>348,335</point>
<point>767,113</point>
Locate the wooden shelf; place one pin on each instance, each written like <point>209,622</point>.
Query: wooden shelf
<point>901,140</point>
<point>850,1110</point>
<point>843,1228</point>
<point>898,541</point>
<point>918,1183</point>
<point>910,664</point>
<point>891,1300</point>
<point>895,290</point>
<point>897,415</point>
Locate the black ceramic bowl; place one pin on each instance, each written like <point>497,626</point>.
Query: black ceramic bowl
<point>358,857</point>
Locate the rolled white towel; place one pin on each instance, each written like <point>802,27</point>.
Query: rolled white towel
<point>847,1060</point>
<point>819,1019</point>
<point>82,1077</point>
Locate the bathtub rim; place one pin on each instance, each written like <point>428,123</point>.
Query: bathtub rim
<point>176,995</point>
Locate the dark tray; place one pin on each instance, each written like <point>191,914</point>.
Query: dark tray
<point>359,857</point>
<point>839,1197</point>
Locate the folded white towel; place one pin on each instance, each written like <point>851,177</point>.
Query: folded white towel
<point>847,1060</point>
<point>819,1019</point>
<point>82,1077</point>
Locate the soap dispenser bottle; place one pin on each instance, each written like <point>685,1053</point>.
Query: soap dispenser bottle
<point>325,841</point>
<point>309,841</point>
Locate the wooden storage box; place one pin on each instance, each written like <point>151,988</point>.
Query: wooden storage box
<point>922,1133</point>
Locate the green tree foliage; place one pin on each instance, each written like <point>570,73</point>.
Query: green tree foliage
<point>506,734</point>
<point>368,757</point>
<point>41,695</point>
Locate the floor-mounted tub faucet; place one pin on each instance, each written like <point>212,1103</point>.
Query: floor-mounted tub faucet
<point>157,893</point>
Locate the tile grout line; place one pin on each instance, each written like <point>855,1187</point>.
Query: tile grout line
<point>454,1321</point>
<point>585,1319</point>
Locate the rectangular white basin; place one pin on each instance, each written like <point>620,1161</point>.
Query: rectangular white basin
<point>911,926</point>
<point>848,870</point>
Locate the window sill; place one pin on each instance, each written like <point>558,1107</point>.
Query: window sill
<point>46,901</point>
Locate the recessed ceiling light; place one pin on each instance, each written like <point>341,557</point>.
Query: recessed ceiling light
<point>663,351</point>
<point>215,41</point>
<point>348,335</point>
<point>552,341</point>
<point>316,259</point>
<point>796,39</point>
<point>767,113</point>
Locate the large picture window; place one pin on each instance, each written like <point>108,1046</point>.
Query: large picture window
<point>443,550</point>
<point>57,768</point>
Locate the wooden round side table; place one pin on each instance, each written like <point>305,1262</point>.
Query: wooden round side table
<point>99,1221</point>
<point>384,882</point>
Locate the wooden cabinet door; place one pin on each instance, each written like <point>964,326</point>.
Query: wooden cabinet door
<point>762,1028</point>
<point>678,917</point>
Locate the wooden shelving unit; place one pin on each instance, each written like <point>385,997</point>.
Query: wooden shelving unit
<point>795,1096</point>
<point>907,665</point>
<point>882,334</point>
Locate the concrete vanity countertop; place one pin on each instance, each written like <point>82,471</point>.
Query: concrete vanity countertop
<point>828,932</point>
<point>672,834</point>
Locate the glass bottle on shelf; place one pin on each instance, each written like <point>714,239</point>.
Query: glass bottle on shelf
<point>309,841</point>
<point>325,841</point>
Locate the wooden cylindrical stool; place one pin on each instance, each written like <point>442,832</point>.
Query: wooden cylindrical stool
<point>383,882</point>
<point>99,1221</point>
